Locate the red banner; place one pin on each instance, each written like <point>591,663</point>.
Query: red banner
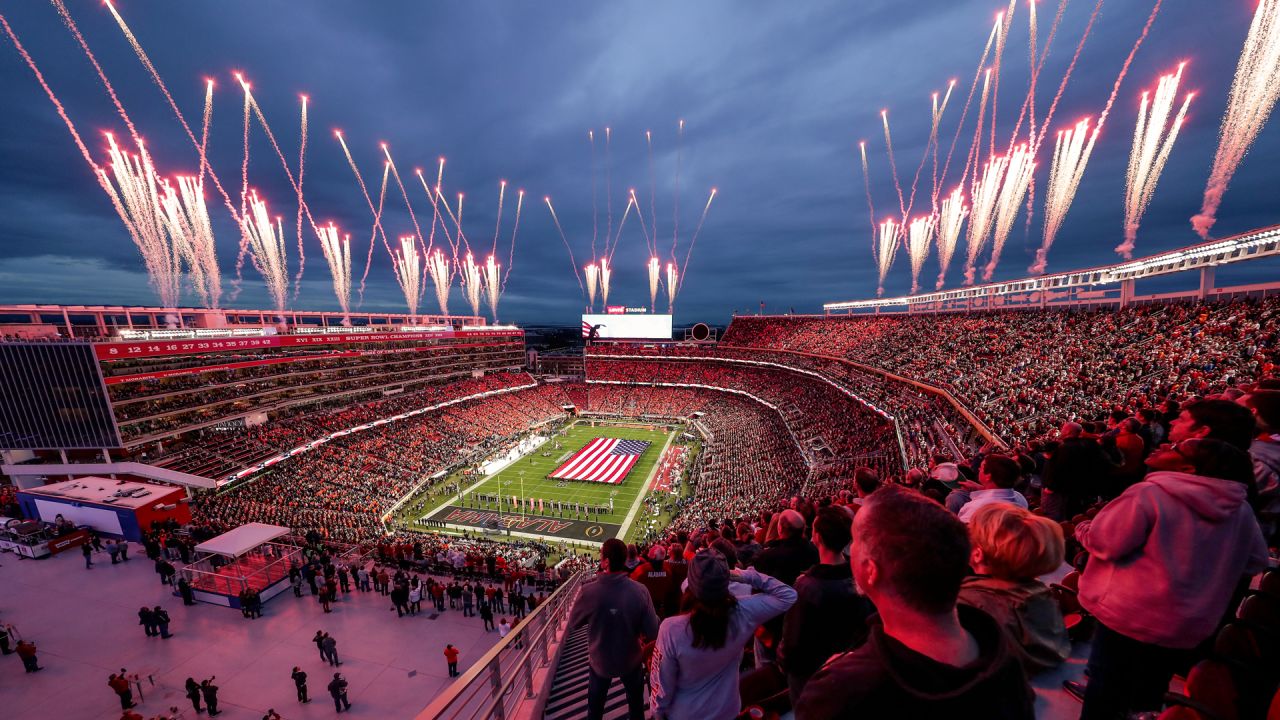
<point>156,348</point>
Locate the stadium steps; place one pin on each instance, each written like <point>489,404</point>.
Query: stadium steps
<point>568,697</point>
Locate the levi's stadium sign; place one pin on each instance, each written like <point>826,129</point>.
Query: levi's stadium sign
<point>624,310</point>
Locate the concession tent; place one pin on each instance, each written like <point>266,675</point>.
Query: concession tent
<point>237,542</point>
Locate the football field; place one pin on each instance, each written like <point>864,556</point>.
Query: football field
<point>527,478</point>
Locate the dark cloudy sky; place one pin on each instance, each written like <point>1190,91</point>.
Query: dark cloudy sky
<point>775,97</point>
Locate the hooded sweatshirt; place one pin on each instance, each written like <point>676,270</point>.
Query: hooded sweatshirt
<point>886,679</point>
<point>1166,556</point>
<point>617,611</point>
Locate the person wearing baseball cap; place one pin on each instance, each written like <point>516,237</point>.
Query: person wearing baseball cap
<point>694,671</point>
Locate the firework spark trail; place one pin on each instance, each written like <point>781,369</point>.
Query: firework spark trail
<point>187,218</point>
<point>673,285</point>
<point>408,267</point>
<point>302,160</point>
<point>471,282</point>
<point>135,197</point>
<point>595,210</point>
<point>337,252</point>
<point>995,85</point>
<point>572,263</point>
<point>933,193</point>
<point>206,119</point>
<point>893,166</point>
<point>950,221</point>
<point>364,190</point>
<point>886,249</point>
<point>653,206</point>
<point>492,285</point>
<point>244,200</point>
<point>866,184</point>
<point>461,238</point>
<point>606,274</point>
<point>155,77</point>
<point>1028,103</point>
<point>608,184</point>
<point>511,255</point>
<point>612,247</point>
<point>675,234</point>
<point>441,277</point>
<point>655,270</point>
<point>266,239</point>
<point>413,217</point>
<point>1153,139</point>
<point>57,104</point>
<point>497,228</point>
<point>592,273</point>
<point>271,136</point>
<point>1012,191</point>
<point>1066,77</point>
<point>975,150</point>
<point>435,209</point>
<point>1070,155</point>
<point>984,195</point>
<point>1254,92</point>
<point>919,236</point>
<point>694,239</point>
<point>982,61</point>
<point>936,116</point>
<point>102,75</point>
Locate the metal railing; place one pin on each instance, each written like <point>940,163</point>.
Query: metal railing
<point>503,679</point>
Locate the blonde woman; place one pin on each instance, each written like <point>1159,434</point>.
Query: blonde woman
<point>1011,548</point>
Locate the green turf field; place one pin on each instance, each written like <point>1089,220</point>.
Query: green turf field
<point>534,469</point>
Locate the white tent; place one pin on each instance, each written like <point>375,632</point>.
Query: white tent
<point>241,540</point>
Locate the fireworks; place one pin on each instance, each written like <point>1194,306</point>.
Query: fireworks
<point>950,221</point>
<point>377,212</point>
<point>337,252</point>
<point>135,198</point>
<point>492,285</point>
<point>919,235</point>
<point>673,283</point>
<point>441,276</point>
<point>655,273</point>
<point>471,282</point>
<point>408,267</point>
<point>1153,139</point>
<point>572,263</point>
<point>985,194</point>
<point>592,273</point>
<point>866,184</point>
<point>1254,92</point>
<point>893,166</point>
<point>705,208</point>
<point>886,248</point>
<point>1016,180</point>
<point>268,246</point>
<point>187,219</point>
<point>605,276</point>
<point>1071,151</point>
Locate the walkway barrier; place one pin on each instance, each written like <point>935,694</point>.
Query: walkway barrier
<point>506,681</point>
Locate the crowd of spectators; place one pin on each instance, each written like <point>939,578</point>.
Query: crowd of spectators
<point>1024,372</point>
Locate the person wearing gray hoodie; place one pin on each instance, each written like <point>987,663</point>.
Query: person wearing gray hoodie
<point>1164,560</point>
<point>618,614</point>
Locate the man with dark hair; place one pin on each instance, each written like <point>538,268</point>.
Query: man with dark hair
<point>653,575</point>
<point>1073,474</point>
<point>1152,432</point>
<point>829,615</point>
<point>1216,420</point>
<point>997,476</point>
<point>924,656</point>
<point>619,615</point>
<point>866,481</point>
<point>1265,452</point>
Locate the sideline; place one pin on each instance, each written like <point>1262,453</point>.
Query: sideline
<point>644,491</point>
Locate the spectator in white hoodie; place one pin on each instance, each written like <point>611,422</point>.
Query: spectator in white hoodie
<point>1164,560</point>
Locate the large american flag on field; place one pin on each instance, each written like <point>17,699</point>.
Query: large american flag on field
<point>603,460</point>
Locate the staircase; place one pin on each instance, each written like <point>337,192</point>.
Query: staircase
<point>568,697</point>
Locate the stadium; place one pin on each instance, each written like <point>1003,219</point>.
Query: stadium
<point>1015,494</point>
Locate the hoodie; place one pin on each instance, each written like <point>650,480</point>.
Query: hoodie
<point>886,679</point>
<point>617,612</point>
<point>1165,557</point>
